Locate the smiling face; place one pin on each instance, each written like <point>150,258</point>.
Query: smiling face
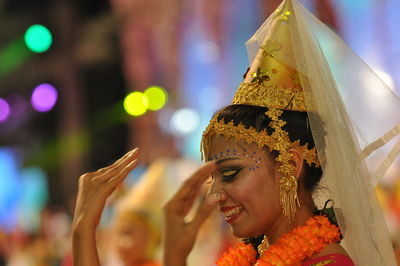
<point>248,178</point>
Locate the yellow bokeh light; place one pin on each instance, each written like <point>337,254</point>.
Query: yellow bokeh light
<point>157,97</point>
<point>136,103</point>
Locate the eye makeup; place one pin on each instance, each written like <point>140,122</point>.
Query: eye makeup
<point>223,156</point>
<point>229,174</point>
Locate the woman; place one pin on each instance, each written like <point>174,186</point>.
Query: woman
<point>267,151</point>
<point>266,154</point>
<point>247,186</point>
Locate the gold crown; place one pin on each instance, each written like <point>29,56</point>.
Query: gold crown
<point>271,82</point>
<point>261,138</point>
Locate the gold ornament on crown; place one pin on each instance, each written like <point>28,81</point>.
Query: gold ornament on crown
<point>261,138</point>
<point>271,82</point>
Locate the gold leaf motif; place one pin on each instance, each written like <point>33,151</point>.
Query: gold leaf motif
<point>270,47</point>
<point>283,15</point>
<point>260,76</point>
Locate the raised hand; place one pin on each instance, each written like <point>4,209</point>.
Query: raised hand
<point>94,189</point>
<point>179,235</point>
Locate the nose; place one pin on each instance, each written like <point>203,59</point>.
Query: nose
<point>217,189</point>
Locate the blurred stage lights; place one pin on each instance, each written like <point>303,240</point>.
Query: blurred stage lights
<point>44,97</point>
<point>38,38</point>
<point>4,110</point>
<point>207,52</point>
<point>157,97</point>
<point>184,121</point>
<point>137,103</point>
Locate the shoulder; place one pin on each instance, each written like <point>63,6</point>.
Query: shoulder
<point>333,254</point>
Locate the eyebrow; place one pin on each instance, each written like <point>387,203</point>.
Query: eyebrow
<point>226,159</point>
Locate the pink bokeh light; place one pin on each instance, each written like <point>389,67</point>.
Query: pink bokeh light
<point>44,97</point>
<point>4,110</point>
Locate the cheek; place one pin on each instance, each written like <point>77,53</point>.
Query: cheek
<point>255,186</point>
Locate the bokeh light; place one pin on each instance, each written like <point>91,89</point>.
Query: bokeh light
<point>34,196</point>
<point>136,103</point>
<point>18,105</point>
<point>10,192</point>
<point>184,121</point>
<point>44,97</point>
<point>4,110</point>
<point>207,102</point>
<point>157,97</point>
<point>38,38</point>
<point>207,52</point>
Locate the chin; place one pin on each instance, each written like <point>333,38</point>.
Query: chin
<point>244,233</point>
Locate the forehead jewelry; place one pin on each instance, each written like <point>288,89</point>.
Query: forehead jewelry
<point>235,152</point>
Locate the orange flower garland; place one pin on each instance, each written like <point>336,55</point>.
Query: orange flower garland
<point>240,254</point>
<point>291,249</point>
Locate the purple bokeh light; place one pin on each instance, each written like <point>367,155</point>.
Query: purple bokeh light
<point>4,110</point>
<point>18,105</point>
<point>44,97</point>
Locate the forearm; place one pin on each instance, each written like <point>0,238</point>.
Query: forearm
<point>171,259</point>
<point>84,246</point>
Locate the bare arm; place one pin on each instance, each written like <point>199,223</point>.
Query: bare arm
<point>94,189</point>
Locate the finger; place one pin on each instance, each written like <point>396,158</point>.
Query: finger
<point>126,155</point>
<point>205,210</point>
<point>124,172</point>
<point>188,201</point>
<point>181,203</point>
<point>113,182</point>
<point>117,167</point>
<point>192,185</point>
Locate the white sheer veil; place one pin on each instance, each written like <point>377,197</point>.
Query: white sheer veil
<point>359,137</point>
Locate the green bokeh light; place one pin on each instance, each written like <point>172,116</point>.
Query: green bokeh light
<point>136,103</point>
<point>157,97</point>
<point>13,55</point>
<point>38,38</point>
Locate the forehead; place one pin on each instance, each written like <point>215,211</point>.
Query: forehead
<point>229,145</point>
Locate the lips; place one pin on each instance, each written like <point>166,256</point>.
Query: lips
<point>231,213</point>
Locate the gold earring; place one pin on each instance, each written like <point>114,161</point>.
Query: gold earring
<point>289,198</point>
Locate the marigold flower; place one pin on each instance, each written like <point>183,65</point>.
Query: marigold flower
<point>290,249</point>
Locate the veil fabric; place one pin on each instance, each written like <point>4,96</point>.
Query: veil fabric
<point>359,138</point>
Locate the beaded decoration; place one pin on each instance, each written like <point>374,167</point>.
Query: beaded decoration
<point>235,152</point>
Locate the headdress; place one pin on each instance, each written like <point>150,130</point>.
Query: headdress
<point>297,63</point>
<point>273,83</point>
